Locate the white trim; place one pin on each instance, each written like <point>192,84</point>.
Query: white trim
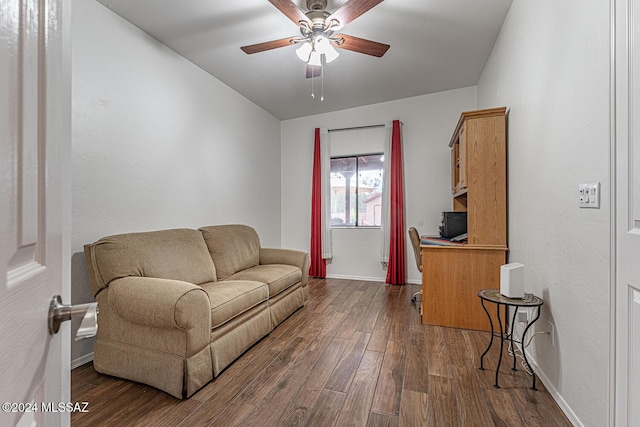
<point>555,394</point>
<point>82,360</point>
<point>365,278</point>
<point>564,406</point>
<point>368,279</point>
<point>611,410</point>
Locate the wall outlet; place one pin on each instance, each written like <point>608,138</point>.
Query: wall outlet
<point>552,334</point>
<point>522,316</point>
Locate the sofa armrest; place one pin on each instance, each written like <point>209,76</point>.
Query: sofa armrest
<point>160,303</point>
<point>287,256</point>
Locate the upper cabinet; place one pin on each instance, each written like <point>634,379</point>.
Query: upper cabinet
<point>479,175</point>
<point>458,161</point>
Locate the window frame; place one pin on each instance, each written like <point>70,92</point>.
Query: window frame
<point>357,192</point>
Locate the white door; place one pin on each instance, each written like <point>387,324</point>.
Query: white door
<point>34,204</point>
<point>627,165</point>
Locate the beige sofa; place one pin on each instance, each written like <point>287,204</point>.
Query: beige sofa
<point>178,306</point>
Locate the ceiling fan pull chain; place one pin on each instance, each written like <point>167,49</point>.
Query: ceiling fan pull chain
<point>321,80</point>
<point>312,94</point>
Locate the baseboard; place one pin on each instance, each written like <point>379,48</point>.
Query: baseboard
<point>555,394</point>
<point>368,279</point>
<point>564,406</point>
<point>82,360</point>
<point>365,278</point>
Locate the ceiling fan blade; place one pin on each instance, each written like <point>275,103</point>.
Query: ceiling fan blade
<point>290,10</point>
<point>368,47</point>
<point>313,71</point>
<point>351,10</point>
<point>261,47</point>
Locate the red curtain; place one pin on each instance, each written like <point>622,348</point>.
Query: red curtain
<point>318,267</point>
<point>396,266</point>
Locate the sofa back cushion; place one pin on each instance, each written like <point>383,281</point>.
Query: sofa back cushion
<point>233,247</point>
<point>178,254</point>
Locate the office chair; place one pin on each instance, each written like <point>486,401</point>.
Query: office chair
<point>415,243</point>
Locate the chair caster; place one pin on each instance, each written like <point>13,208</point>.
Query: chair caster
<point>414,298</point>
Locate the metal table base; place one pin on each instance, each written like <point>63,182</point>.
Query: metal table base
<point>494,296</point>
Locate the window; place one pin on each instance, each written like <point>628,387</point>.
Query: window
<point>356,190</point>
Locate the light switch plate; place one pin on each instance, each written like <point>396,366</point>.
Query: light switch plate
<point>589,195</point>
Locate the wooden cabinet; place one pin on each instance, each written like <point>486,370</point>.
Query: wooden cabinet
<point>453,275</point>
<point>458,161</point>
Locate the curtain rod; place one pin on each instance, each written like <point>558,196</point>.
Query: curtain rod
<point>357,127</point>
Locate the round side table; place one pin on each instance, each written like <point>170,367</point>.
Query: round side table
<point>494,296</point>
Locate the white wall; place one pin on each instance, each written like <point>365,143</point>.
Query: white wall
<point>158,143</point>
<point>428,123</point>
<point>550,65</point>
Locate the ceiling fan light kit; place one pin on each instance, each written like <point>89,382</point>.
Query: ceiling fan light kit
<point>317,26</point>
<point>312,50</point>
<point>304,51</point>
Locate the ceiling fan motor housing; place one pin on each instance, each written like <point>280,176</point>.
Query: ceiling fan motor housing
<point>316,4</point>
<point>318,18</point>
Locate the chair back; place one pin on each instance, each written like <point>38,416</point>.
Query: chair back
<point>415,242</point>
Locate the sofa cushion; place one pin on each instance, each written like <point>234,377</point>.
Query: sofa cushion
<point>178,254</point>
<point>277,276</point>
<point>231,298</point>
<point>233,247</point>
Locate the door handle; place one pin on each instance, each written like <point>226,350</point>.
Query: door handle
<point>59,313</point>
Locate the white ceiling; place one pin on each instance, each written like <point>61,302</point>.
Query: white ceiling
<point>436,45</point>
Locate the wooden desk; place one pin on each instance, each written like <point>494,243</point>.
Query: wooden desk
<point>451,279</point>
<point>453,275</point>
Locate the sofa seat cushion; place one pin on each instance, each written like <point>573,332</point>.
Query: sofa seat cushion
<point>230,298</point>
<point>277,276</point>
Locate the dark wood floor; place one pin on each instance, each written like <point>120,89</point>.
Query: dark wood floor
<point>356,355</point>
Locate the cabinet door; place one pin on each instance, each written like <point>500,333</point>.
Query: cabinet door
<point>458,163</point>
<point>462,159</point>
<point>485,151</point>
<point>454,167</point>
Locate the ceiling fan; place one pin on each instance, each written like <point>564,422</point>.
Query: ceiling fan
<point>318,28</point>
